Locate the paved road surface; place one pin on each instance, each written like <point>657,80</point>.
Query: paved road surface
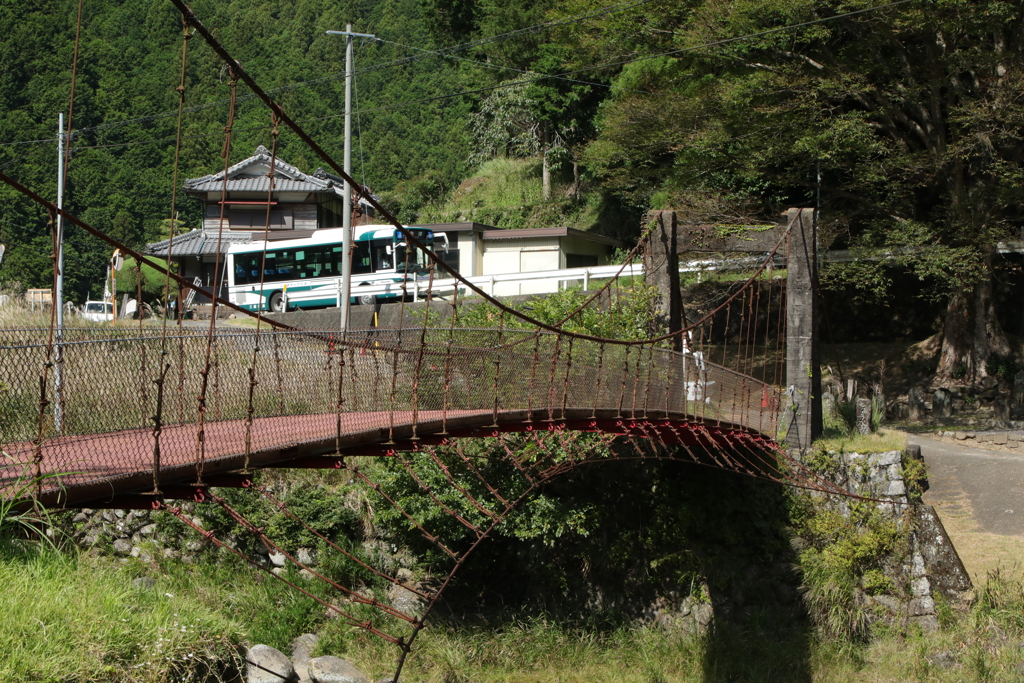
<point>992,481</point>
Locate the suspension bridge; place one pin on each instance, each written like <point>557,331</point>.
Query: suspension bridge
<point>144,416</point>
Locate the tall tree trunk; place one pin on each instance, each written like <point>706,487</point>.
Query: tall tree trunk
<point>545,174</point>
<point>661,263</point>
<point>989,337</point>
<point>971,332</point>
<point>956,360</point>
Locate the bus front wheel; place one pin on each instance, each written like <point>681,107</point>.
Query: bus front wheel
<point>366,299</point>
<point>277,304</point>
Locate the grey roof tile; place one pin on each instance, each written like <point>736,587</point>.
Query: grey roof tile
<point>258,185</point>
<point>288,178</point>
<point>198,242</point>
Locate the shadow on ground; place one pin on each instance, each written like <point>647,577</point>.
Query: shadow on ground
<point>622,543</point>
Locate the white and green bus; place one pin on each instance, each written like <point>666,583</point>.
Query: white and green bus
<point>306,272</point>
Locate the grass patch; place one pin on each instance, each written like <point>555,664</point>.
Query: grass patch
<point>74,618</point>
<point>876,442</point>
<point>980,644</point>
<point>537,650</point>
<point>71,618</point>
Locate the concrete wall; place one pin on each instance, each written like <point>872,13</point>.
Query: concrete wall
<point>571,244</point>
<point>522,256</point>
<point>932,566</point>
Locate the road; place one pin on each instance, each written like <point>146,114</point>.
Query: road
<point>979,496</point>
<point>992,482</point>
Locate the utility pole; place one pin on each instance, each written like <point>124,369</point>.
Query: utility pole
<point>346,240</point>
<point>58,296</point>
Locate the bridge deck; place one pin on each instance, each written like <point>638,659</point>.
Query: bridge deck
<point>117,462</point>
<point>101,470</point>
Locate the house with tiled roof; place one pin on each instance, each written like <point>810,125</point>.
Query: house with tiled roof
<point>300,204</point>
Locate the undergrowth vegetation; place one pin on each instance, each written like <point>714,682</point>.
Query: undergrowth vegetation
<point>72,618</point>
<point>507,193</point>
<point>847,556</point>
<point>520,608</point>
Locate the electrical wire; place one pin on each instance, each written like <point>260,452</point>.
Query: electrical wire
<point>510,84</point>
<point>726,41</point>
<point>497,67</point>
<point>610,9</point>
<point>27,142</point>
<point>524,81</point>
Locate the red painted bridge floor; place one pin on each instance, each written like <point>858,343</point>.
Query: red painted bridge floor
<point>85,470</point>
<point>104,464</point>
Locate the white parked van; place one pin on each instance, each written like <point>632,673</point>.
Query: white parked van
<point>98,311</point>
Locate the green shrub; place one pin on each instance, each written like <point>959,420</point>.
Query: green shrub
<point>915,476</point>
<point>999,365</point>
<point>842,421</point>
<point>846,554</point>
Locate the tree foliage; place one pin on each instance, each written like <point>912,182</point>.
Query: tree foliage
<point>903,123</point>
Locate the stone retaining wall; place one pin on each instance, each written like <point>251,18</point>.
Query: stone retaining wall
<point>933,565</point>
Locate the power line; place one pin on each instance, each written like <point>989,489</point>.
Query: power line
<point>610,9</point>
<point>725,41</point>
<point>446,52</point>
<point>509,84</point>
<point>488,65</point>
<point>27,142</point>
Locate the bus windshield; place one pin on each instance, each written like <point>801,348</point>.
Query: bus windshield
<point>411,260</point>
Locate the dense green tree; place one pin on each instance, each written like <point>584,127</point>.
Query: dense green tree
<point>909,115</point>
<point>532,110</point>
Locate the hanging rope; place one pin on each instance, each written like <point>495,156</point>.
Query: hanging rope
<point>164,365</point>
<point>57,239</point>
<point>271,183</point>
<point>205,372</point>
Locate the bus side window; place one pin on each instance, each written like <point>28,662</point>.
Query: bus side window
<point>381,256</point>
<point>318,262</point>
<point>325,261</point>
<point>361,259</point>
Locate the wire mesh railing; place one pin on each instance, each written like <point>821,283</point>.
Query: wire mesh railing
<point>316,387</point>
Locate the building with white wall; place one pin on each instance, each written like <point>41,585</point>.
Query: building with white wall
<point>476,249</point>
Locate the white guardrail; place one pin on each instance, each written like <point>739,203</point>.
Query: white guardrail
<point>509,284</point>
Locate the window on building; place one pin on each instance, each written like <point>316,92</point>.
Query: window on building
<point>580,260</point>
<point>255,219</point>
